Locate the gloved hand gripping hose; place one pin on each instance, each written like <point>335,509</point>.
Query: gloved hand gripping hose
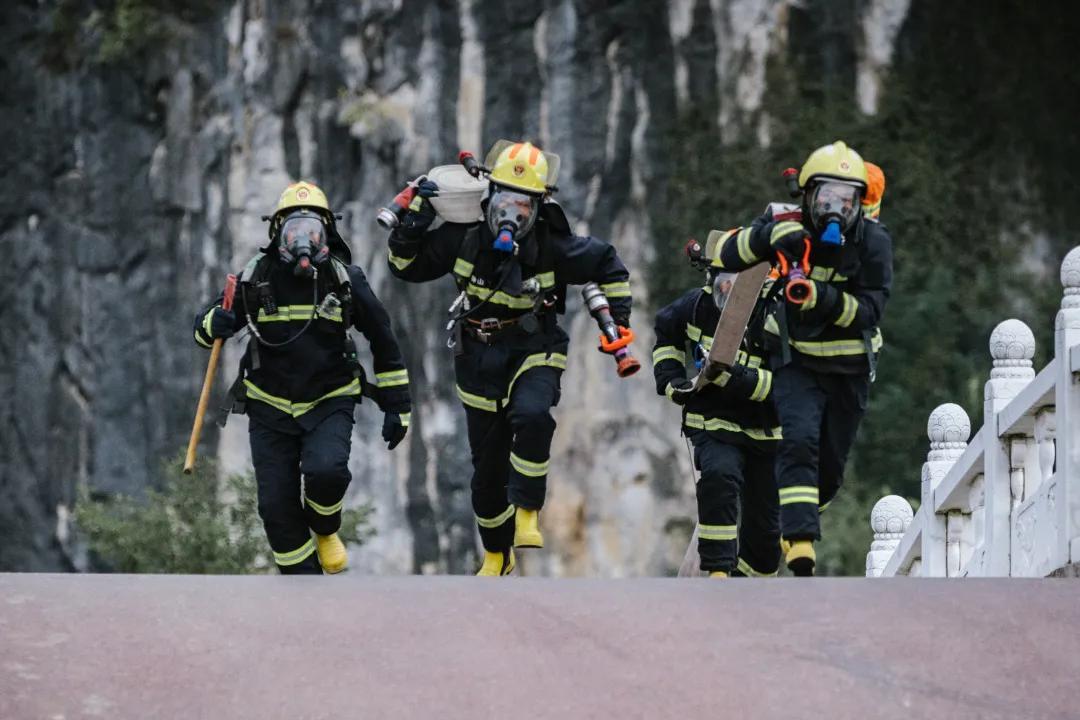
<point>614,339</point>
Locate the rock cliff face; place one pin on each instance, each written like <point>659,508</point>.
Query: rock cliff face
<point>134,185</point>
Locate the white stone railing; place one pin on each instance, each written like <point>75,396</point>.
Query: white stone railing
<point>1007,501</point>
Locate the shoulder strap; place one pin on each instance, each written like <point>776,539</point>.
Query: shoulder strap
<point>466,258</point>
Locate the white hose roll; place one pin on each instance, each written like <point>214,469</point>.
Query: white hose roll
<point>459,195</point>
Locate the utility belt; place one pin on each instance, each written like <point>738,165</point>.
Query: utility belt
<point>489,330</point>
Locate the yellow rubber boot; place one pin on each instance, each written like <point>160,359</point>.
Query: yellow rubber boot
<point>332,555</point>
<point>801,558</point>
<point>527,529</point>
<point>497,564</point>
<point>718,574</point>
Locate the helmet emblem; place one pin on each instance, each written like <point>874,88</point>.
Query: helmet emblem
<point>519,170</point>
<point>302,194</point>
<point>844,165</point>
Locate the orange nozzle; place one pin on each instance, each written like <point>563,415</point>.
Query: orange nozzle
<point>798,290</point>
<point>628,366</point>
<point>626,336</point>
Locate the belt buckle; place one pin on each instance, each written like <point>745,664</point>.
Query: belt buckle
<point>488,325</point>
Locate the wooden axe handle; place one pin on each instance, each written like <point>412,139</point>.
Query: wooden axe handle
<point>208,381</point>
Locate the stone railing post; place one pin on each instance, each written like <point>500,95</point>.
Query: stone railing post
<point>889,520</point>
<point>948,429</point>
<point>1012,346</point>
<point>1067,412</point>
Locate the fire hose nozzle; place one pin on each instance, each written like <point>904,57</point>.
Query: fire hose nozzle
<point>798,288</point>
<point>614,340</point>
<point>389,217</point>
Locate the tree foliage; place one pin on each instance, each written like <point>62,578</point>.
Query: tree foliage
<point>194,523</point>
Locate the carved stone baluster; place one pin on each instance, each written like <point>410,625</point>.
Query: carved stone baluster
<point>889,520</point>
<point>1012,346</point>
<point>1018,453</point>
<point>957,528</point>
<point>948,429</point>
<point>1046,444</point>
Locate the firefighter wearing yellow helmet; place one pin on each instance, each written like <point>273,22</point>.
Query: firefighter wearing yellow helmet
<point>299,380</point>
<point>512,265</point>
<point>824,341</point>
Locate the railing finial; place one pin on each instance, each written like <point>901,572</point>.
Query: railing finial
<point>1012,346</point>
<point>889,520</point>
<point>1070,279</point>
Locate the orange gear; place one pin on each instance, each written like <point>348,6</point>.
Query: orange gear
<point>875,190</point>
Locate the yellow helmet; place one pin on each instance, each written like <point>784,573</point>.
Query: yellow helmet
<point>521,166</point>
<point>836,161</point>
<point>302,195</point>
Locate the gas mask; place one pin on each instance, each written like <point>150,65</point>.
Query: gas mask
<point>834,208</point>
<point>721,286</point>
<point>302,242</point>
<point>510,215</point>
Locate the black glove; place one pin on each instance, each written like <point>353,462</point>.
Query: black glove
<point>788,238</point>
<point>393,429</point>
<point>681,391</point>
<point>421,212</point>
<point>222,323</point>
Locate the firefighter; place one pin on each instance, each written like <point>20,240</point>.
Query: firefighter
<point>300,380</point>
<point>512,269</point>
<point>823,348</point>
<point>731,423</point>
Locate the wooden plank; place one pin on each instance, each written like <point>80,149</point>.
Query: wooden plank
<point>730,328</point>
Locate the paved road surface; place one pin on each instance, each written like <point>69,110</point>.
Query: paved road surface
<point>530,649</point>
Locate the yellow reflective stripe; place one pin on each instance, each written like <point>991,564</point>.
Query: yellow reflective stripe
<point>698,422</point>
<point>851,306</point>
<point>821,273</point>
<point>746,569</point>
<point>764,385</point>
<point>515,302</point>
<point>463,267</point>
<point>836,348</point>
<point>299,408</point>
<point>770,325</point>
<point>555,360</point>
<point>616,289</point>
<point>785,228</point>
<point>743,243</point>
<point>799,494</point>
<point>497,520</point>
<point>821,508</point>
<point>298,313</point>
<point>405,418</point>
<point>547,280</point>
<point>206,321</point>
<point>668,352</point>
<point>324,509</point>
<point>529,468</point>
<point>392,378</point>
<point>693,332</point>
<point>296,556</point>
<point>399,262</point>
<point>476,401</point>
<point>198,339</point>
<point>722,378</point>
<point>717,532</point>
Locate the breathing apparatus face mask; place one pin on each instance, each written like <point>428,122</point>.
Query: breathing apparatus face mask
<point>302,243</point>
<point>834,208</point>
<point>721,286</point>
<point>510,215</point>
